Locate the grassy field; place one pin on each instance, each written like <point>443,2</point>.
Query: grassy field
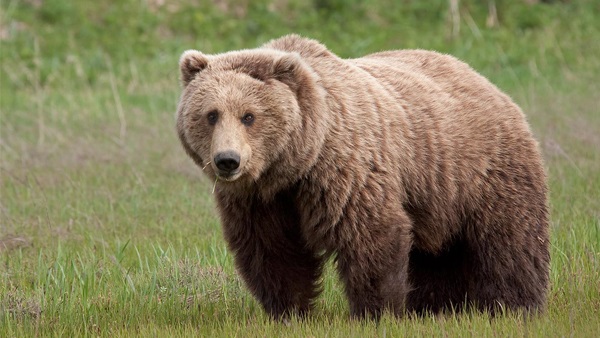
<point>108,229</point>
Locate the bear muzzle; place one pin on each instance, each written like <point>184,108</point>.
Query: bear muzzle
<point>227,163</point>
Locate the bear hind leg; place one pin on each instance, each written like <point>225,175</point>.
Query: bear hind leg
<point>438,281</point>
<point>510,275</point>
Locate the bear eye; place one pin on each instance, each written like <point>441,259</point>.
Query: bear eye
<point>212,117</point>
<point>248,119</point>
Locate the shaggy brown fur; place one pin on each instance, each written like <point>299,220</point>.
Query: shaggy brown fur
<point>419,175</point>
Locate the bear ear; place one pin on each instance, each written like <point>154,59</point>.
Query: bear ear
<point>191,63</point>
<point>289,69</point>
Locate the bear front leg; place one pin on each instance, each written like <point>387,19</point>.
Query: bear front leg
<point>284,279</point>
<point>375,270</point>
<point>271,255</point>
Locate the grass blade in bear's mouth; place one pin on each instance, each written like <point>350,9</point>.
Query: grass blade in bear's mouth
<point>228,177</point>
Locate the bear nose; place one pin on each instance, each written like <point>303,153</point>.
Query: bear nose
<point>227,161</point>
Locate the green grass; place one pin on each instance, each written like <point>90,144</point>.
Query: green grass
<point>107,229</point>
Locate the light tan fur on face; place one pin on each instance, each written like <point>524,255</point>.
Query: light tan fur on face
<point>231,93</point>
<point>228,86</point>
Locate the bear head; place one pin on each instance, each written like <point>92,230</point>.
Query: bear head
<point>251,115</point>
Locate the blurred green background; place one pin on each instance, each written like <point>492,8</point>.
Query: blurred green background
<point>523,32</point>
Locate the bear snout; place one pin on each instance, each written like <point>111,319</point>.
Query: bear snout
<point>227,162</point>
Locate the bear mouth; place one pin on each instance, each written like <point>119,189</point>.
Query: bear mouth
<point>228,176</point>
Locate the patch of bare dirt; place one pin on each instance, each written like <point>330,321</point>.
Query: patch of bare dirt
<point>13,242</point>
<point>18,306</point>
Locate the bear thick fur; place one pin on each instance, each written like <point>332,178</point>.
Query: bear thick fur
<point>418,175</point>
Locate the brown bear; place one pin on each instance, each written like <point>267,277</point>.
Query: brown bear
<point>418,175</point>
